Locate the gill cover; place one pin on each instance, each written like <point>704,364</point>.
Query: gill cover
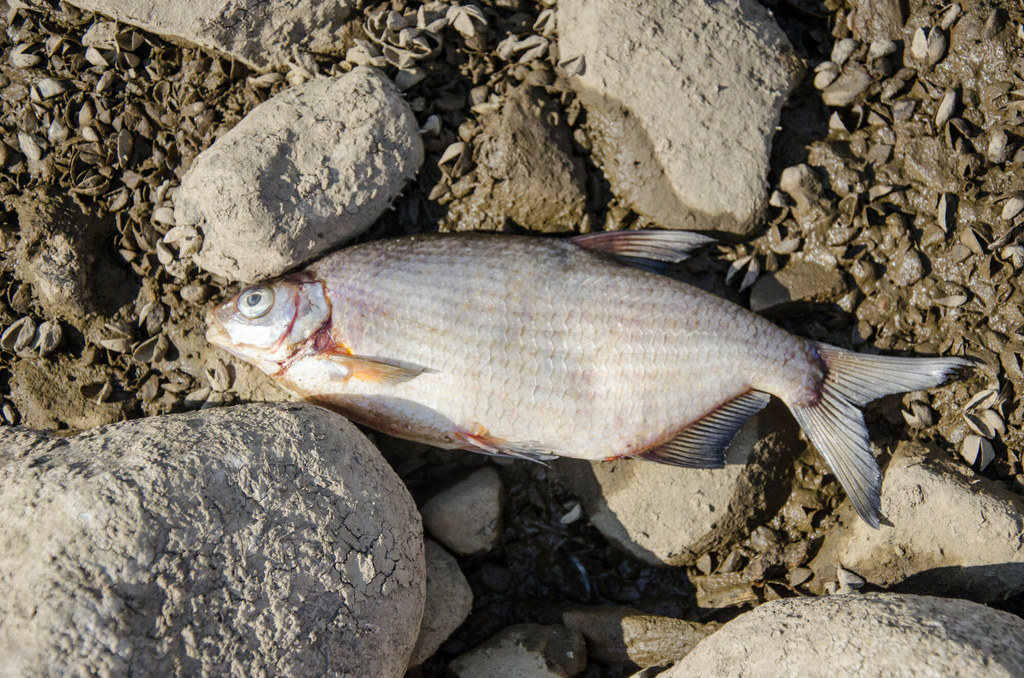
<point>267,323</point>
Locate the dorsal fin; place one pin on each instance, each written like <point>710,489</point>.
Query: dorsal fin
<point>703,443</point>
<point>667,246</point>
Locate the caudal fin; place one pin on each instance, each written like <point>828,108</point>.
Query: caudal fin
<point>836,423</point>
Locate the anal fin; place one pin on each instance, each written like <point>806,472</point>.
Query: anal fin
<point>483,443</point>
<point>702,444</point>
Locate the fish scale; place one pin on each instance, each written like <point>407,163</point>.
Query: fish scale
<point>543,370</point>
<point>537,346</point>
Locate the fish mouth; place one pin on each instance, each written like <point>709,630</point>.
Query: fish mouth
<point>215,333</point>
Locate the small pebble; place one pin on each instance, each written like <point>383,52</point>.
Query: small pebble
<point>846,88</point>
<point>919,44</point>
<point>843,50</point>
<point>31,145</point>
<point>881,48</point>
<point>49,88</point>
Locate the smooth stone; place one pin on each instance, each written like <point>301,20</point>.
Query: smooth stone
<point>947,531</point>
<point>682,101</point>
<point>306,170</point>
<point>526,171</point>
<point>796,286</point>
<point>862,636</point>
<point>448,603</point>
<point>466,515</point>
<point>666,515</point>
<point>622,635</point>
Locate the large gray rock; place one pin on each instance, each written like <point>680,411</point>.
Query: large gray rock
<point>876,634</point>
<point>682,101</point>
<point>667,515</point>
<point>947,531</point>
<point>224,541</point>
<point>262,35</point>
<point>303,172</point>
<point>449,601</point>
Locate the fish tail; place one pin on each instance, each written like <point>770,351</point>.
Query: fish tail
<point>835,424</point>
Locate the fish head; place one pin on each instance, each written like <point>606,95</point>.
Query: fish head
<point>270,324</point>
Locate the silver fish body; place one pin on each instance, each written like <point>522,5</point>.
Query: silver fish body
<point>533,347</point>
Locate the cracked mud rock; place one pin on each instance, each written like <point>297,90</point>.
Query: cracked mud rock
<point>526,171</point>
<point>692,150</point>
<point>974,550</point>
<point>260,35</point>
<point>222,541</point>
<point>466,515</point>
<point>448,603</point>
<point>308,169</point>
<point>667,515</point>
<point>525,651</point>
<point>874,634</point>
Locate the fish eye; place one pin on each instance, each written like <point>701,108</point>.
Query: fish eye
<point>255,302</point>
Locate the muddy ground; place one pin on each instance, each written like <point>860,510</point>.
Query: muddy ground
<point>910,203</point>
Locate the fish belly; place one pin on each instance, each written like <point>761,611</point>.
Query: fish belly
<point>541,343</point>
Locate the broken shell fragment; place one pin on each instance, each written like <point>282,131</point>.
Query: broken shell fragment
<point>826,74</point>
<point>1013,207</point>
<point>468,20</point>
<point>98,392</point>
<point>982,399</point>
<point>152,350</point>
<point>49,338</point>
<point>20,336</point>
<point>219,376</point>
<point>946,107</point>
<point>997,152</point>
<point>979,425</point>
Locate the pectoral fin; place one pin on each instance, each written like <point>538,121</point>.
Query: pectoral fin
<point>374,370</point>
<point>703,443</point>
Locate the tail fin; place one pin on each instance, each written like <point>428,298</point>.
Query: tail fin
<point>836,423</point>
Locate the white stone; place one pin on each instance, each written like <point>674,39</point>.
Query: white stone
<point>466,516</point>
<point>861,636</point>
<point>211,543</point>
<point>262,35</point>
<point>303,172</point>
<point>683,99</point>
<point>947,531</point>
<point>665,515</point>
<point>449,601</point>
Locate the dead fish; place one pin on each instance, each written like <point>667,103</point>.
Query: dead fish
<point>535,347</point>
